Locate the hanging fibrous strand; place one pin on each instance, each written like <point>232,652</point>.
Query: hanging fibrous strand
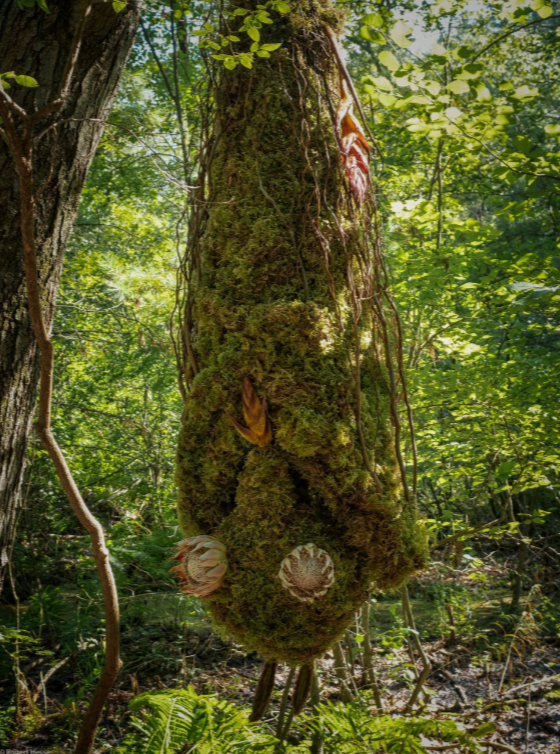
<point>287,454</point>
<point>263,692</point>
<point>302,688</point>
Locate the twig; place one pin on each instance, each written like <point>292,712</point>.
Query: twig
<point>508,658</point>
<point>285,731</point>
<point>45,678</point>
<point>341,673</point>
<point>13,106</point>
<point>466,533</point>
<point>553,678</point>
<point>458,689</point>
<point>451,639</point>
<point>368,656</point>
<point>508,34</point>
<point>499,747</point>
<point>159,64</point>
<point>318,737</point>
<point>16,656</point>
<point>425,672</point>
<point>528,722</point>
<point>284,702</point>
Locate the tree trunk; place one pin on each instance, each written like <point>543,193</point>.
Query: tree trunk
<point>38,44</point>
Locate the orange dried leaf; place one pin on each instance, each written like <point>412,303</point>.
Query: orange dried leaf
<point>248,434</point>
<point>354,147</point>
<point>259,431</point>
<point>253,410</point>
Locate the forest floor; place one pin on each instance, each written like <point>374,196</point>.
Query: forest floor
<point>469,682</point>
<point>526,714</point>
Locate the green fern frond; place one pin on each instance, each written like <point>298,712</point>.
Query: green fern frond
<point>352,729</point>
<point>172,721</point>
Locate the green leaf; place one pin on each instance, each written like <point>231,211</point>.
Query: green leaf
<point>464,52</point>
<point>371,35</point>
<point>502,472</point>
<point>240,12</point>
<point>283,7</point>
<point>387,100</point>
<point>382,83</point>
<point>418,99</point>
<point>458,87</point>
<point>230,64</point>
<point>373,19</point>
<point>453,113</point>
<point>542,9</point>
<point>246,61</point>
<point>400,33</point>
<point>387,59</point>
<point>118,6</point>
<point>26,81</point>
<point>483,93</point>
<point>484,730</point>
<point>271,47</point>
<point>263,54</point>
<point>254,47</point>
<point>417,126</point>
<point>470,71</point>
<point>254,33</point>
<point>525,92</point>
<point>43,5</point>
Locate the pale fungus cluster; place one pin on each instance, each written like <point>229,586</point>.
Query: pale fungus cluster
<point>307,572</point>
<point>202,565</point>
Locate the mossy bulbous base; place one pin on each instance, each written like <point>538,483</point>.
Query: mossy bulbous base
<point>271,301</point>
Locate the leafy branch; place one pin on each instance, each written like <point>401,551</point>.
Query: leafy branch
<point>252,23</point>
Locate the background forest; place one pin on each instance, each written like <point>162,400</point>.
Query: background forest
<point>464,102</point>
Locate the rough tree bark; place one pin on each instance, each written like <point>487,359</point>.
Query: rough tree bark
<point>38,44</point>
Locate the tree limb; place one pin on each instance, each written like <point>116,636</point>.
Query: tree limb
<point>466,533</point>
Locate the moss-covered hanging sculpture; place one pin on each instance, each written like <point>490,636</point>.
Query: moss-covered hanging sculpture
<point>288,463</point>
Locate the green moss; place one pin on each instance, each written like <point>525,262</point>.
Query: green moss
<point>275,178</point>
